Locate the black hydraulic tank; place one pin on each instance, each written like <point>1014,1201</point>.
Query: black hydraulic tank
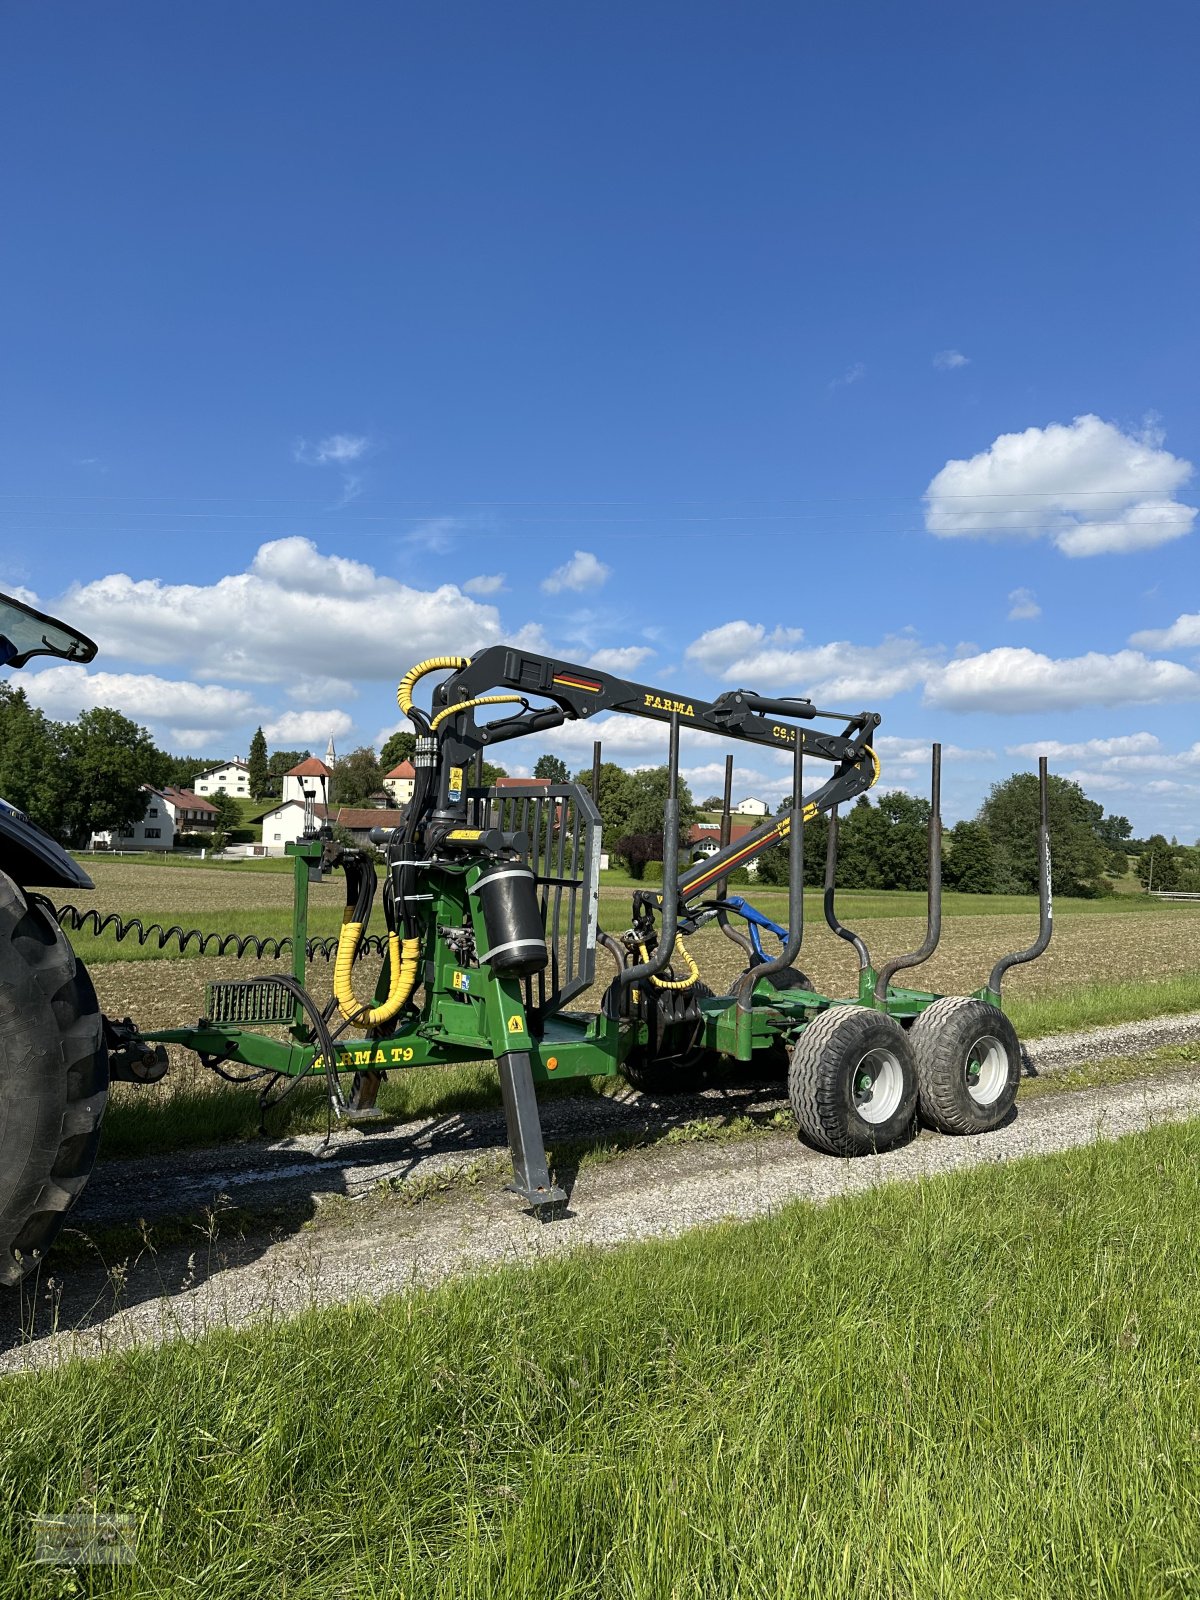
<point>516,939</point>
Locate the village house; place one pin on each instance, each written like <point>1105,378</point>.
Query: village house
<point>189,812</point>
<point>233,777</point>
<point>310,776</point>
<point>752,807</point>
<point>154,831</point>
<point>400,782</point>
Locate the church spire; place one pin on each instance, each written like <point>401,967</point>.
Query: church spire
<point>330,754</point>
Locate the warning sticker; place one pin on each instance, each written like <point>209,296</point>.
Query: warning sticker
<point>515,1025</point>
<point>455,787</point>
<point>461,980</point>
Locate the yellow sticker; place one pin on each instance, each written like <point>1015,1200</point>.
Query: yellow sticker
<point>515,1025</point>
<point>462,835</point>
<point>455,785</point>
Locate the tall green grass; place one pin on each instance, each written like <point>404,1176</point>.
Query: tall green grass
<point>1093,1005</point>
<point>982,1385</point>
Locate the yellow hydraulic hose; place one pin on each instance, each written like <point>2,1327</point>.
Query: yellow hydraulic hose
<point>403,964</point>
<point>682,953</point>
<point>483,700</point>
<point>408,682</point>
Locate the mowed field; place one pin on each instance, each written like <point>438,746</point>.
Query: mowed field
<point>1109,960</point>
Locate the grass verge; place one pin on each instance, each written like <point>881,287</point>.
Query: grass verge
<point>1096,1005</point>
<point>981,1384</point>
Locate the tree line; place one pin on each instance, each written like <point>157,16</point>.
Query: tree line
<point>86,776</point>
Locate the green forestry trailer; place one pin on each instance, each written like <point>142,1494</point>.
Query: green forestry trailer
<point>490,944</point>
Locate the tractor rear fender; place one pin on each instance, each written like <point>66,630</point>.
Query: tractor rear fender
<point>32,858</point>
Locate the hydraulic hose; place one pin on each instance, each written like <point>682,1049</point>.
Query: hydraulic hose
<point>404,961</point>
<point>682,953</point>
<point>482,700</point>
<point>410,679</point>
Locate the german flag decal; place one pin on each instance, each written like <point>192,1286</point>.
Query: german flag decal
<point>572,680</point>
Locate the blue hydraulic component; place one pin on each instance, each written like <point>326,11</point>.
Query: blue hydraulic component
<point>754,921</point>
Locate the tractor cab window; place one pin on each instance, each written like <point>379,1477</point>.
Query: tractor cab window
<point>25,632</point>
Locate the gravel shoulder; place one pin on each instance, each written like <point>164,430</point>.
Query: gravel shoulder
<point>374,1214</point>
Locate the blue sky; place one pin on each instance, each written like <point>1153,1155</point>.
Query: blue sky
<point>847,350</point>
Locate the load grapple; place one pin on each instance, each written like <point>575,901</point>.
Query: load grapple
<point>490,946</point>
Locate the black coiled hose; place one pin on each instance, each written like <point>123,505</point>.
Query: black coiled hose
<point>240,945</point>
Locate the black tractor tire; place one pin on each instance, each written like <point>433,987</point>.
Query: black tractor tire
<point>852,1082</point>
<point>672,1062</point>
<point>53,1079</point>
<point>968,1061</point>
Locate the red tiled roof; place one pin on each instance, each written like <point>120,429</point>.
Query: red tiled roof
<point>312,768</point>
<point>710,832</point>
<point>360,817</point>
<point>404,770</point>
<point>188,801</point>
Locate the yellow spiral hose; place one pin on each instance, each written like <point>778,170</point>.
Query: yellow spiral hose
<point>408,682</point>
<point>403,963</point>
<point>483,700</point>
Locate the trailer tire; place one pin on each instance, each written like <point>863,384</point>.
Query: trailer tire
<point>968,1065</point>
<point>852,1082</point>
<point>53,1079</point>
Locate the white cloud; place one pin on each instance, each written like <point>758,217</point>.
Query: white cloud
<point>1120,745</point>
<point>295,613</point>
<point>1014,680</point>
<point>485,584</point>
<point>744,651</point>
<point>583,571</point>
<point>622,659</point>
<point>1022,605</point>
<point>435,534</point>
<point>311,691</point>
<point>948,360</point>
<point>851,375</point>
<point>187,711</point>
<point>307,727</point>
<point>1085,485</point>
<point>1183,634</point>
<point>337,449</point>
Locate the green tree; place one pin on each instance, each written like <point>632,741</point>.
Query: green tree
<point>1158,864</point>
<point>401,746</point>
<point>614,801</point>
<point>774,864</point>
<point>1114,832</point>
<point>229,816</point>
<point>356,777</point>
<point>32,774</point>
<point>645,802</point>
<point>281,761</point>
<point>257,762</point>
<point>886,845</point>
<point>1011,814</point>
<point>552,768</point>
<point>970,859</point>
<point>109,759</point>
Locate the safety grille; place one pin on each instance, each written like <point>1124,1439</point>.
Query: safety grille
<point>563,827</point>
<point>248,1002</point>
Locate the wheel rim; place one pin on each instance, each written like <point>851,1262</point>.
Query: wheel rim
<point>986,1069</point>
<point>878,1085</point>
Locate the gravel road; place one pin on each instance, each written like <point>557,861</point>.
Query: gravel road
<point>369,1245</point>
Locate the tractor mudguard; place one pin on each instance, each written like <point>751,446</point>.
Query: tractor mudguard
<point>30,856</point>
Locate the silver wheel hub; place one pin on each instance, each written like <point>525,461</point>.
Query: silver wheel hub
<point>878,1085</point>
<point>986,1069</point>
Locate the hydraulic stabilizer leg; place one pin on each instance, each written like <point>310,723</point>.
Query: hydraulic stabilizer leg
<point>531,1176</point>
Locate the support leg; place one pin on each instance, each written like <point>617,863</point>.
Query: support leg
<point>531,1177</point>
